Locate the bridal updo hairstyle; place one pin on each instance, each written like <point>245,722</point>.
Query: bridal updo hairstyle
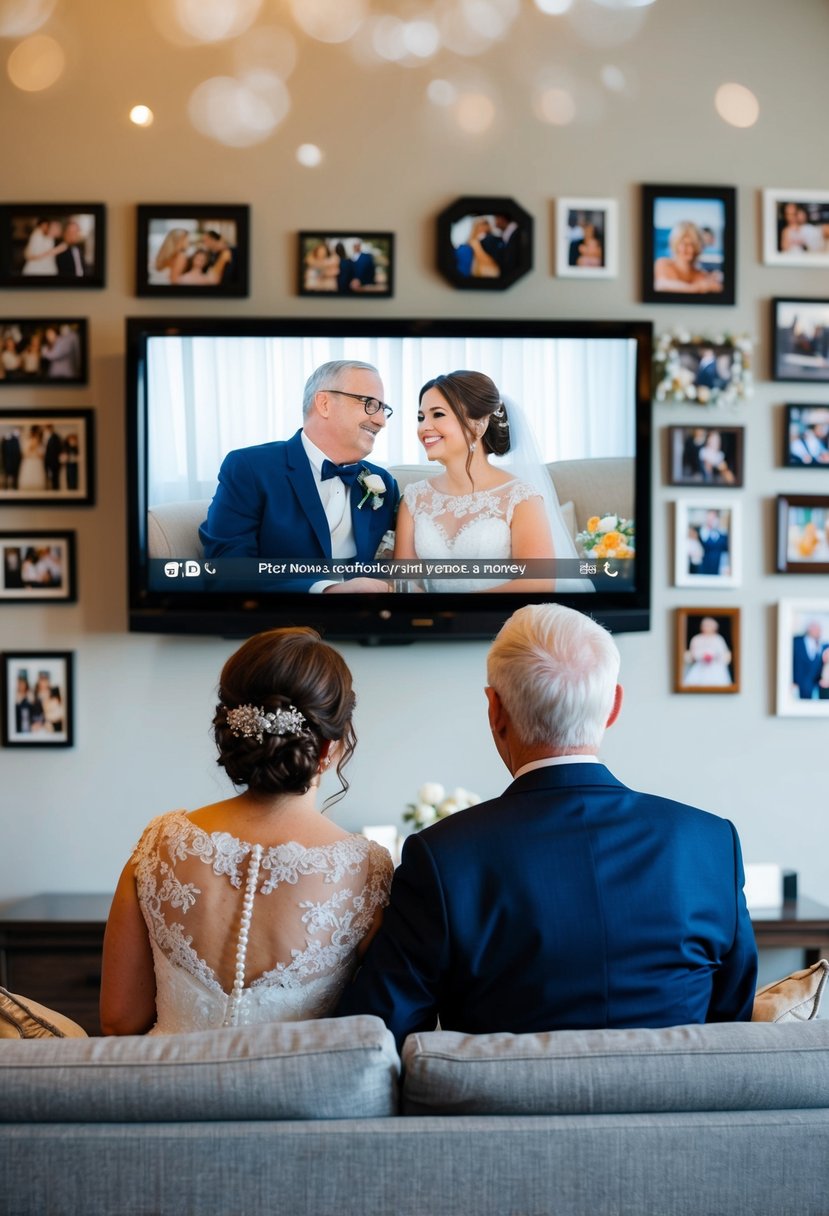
<point>472,396</point>
<point>273,671</point>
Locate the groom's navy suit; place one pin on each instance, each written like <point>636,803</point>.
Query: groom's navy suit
<point>569,902</point>
<point>267,505</point>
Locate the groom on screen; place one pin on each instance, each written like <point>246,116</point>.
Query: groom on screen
<point>310,498</point>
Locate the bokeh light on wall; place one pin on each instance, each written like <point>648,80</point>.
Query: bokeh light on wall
<point>309,155</point>
<point>215,20</point>
<point>142,116</point>
<point>470,27</point>
<point>556,106</point>
<point>36,63</point>
<point>329,20</point>
<point>737,105</point>
<point>19,18</point>
<point>238,113</point>
<point>601,23</point>
<point>268,47</point>
<point>474,113</point>
<point>408,43</point>
<point>441,92</point>
<point>553,8</point>
<point>613,78</point>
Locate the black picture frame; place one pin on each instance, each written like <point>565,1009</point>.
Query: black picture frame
<point>37,565</point>
<point>673,213</point>
<point>69,479</point>
<point>706,455</point>
<point>28,356</point>
<point>803,533</point>
<point>355,264</point>
<point>29,226</point>
<point>490,260</point>
<point>806,437</point>
<point>216,233</point>
<point>800,339</point>
<point>42,721</point>
<point>703,668</point>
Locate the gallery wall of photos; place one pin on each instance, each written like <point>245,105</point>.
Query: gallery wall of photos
<point>688,242</point>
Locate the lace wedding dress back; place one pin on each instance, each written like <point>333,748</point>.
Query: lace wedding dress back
<point>245,933</point>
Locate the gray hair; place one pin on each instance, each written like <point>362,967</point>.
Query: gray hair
<point>329,375</point>
<point>555,671</point>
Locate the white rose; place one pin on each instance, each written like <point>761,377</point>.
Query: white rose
<point>608,524</point>
<point>447,807</point>
<point>432,792</point>
<point>464,798</point>
<point>473,799</point>
<point>374,483</point>
<point>423,814</point>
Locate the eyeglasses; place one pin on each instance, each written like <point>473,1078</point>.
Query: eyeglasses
<point>370,404</point>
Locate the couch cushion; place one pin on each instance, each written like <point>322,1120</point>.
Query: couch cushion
<point>725,1066</point>
<point>793,999</point>
<point>21,1018</point>
<point>333,1068</point>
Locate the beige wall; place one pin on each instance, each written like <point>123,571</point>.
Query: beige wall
<point>392,160</point>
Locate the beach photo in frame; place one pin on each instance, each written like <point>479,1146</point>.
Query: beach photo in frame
<point>52,245</point>
<point>796,227</point>
<point>192,250</point>
<point>346,263</point>
<point>803,533</point>
<point>48,350</point>
<point>484,243</point>
<point>806,437</point>
<point>37,698</point>
<point>707,542</point>
<point>707,650</point>
<point>689,245</point>
<point>586,238</point>
<point>803,658</point>
<point>706,456</point>
<point>37,565</point>
<point>47,457</point>
<point>800,340</point>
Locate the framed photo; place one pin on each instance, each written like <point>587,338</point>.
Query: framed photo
<point>37,699</point>
<point>803,533</point>
<point>806,436</point>
<point>705,456</point>
<point>484,244</point>
<point>707,650</point>
<point>586,238</point>
<point>37,566</point>
<point>47,457</point>
<point>708,543</point>
<point>50,351</point>
<point>52,244</point>
<point>703,369</point>
<point>189,250</point>
<point>800,340</point>
<point>803,658</point>
<point>346,264</point>
<point>796,227</point>
<point>689,247</point>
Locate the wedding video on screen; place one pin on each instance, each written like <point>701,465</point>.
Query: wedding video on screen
<point>571,403</point>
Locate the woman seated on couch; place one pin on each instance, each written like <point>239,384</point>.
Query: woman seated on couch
<point>255,908</point>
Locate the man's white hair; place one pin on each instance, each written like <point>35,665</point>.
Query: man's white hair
<point>555,671</point>
<point>329,375</point>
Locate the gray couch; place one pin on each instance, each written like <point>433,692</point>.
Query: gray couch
<point>317,1118</point>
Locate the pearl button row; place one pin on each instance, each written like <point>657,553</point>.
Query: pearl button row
<point>244,933</point>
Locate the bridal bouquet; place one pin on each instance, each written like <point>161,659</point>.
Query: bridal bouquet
<point>433,804</point>
<point>607,536</point>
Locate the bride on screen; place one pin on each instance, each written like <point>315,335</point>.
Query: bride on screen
<point>475,509</point>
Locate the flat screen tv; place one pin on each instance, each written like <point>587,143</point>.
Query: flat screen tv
<point>199,388</point>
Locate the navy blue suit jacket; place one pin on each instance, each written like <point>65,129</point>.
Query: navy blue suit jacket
<point>805,670</point>
<point>267,505</point>
<point>569,902</point>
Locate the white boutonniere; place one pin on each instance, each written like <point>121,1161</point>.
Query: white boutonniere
<point>374,487</point>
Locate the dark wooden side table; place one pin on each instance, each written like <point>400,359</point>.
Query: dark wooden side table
<point>800,924</point>
<point>50,950</point>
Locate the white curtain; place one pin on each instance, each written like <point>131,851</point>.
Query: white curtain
<point>209,395</point>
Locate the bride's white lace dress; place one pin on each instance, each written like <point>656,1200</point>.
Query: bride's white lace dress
<point>464,527</point>
<point>283,921</point>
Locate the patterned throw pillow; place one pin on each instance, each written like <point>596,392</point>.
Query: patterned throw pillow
<point>25,1019</point>
<point>793,999</point>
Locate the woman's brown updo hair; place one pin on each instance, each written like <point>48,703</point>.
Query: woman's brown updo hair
<point>274,670</point>
<point>472,396</point>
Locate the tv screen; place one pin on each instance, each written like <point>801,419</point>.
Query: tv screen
<point>227,525</point>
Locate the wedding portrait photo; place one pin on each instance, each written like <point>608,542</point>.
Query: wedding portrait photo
<point>586,238</point>
<point>707,650</point>
<point>803,533</point>
<point>803,658</point>
<point>806,431</point>
<point>688,244</point>
<point>485,244</point>
<point>707,543</point>
<point>52,245</point>
<point>346,263</point>
<point>37,566</point>
<point>48,351</point>
<point>700,455</point>
<point>800,340</point>
<point>37,699</point>
<point>796,227</point>
<point>46,457</point>
<point>192,250</point>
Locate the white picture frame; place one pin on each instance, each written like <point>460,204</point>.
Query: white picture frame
<point>813,249</point>
<point>794,618</point>
<point>598,253</point>
<point>701,557</point>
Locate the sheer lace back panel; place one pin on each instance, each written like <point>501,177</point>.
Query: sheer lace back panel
<point>288,946</point>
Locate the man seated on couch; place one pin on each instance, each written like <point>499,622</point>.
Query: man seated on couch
<point>569,902</point>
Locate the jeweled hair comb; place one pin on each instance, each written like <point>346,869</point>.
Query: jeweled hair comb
<point>254,723</point>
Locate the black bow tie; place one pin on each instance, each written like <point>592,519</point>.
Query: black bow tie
<point>347,473</point>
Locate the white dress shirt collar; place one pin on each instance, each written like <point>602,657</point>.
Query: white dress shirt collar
<point>549,761</point>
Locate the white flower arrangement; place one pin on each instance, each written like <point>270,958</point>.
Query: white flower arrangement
<point>374,487</point>
<point>675,381</point>
<point>433,803</point>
